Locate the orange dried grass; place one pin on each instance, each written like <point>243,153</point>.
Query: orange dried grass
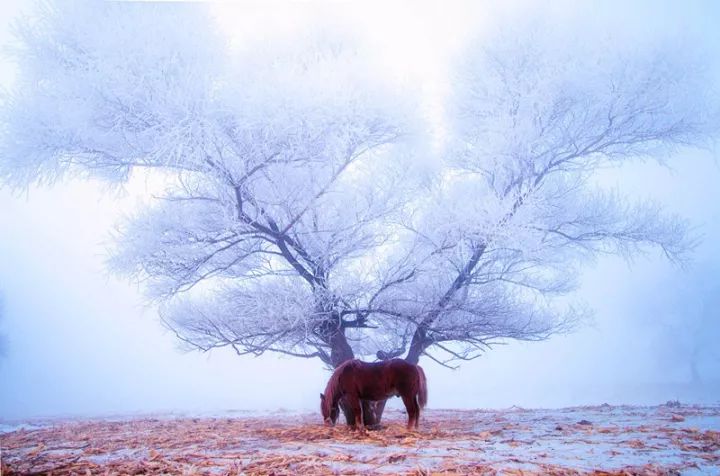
<point>259,446</point>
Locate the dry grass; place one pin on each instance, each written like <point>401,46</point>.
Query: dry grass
<point>629,441</point>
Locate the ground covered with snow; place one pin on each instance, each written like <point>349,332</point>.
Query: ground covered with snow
<point>602,440</point>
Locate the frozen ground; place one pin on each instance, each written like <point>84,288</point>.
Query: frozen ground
<point>601,440</point>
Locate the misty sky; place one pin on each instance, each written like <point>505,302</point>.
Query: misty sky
<point>80,341</point>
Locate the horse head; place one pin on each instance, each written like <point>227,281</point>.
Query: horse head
<point>329,411</point>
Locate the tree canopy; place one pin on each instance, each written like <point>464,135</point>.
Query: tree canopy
<point>295,213</point>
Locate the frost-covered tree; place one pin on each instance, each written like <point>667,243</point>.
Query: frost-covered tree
<point>532,118</point>
<point>277,183</point>
<point>289,217</point>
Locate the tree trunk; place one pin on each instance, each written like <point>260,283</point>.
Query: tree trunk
<point>417,347</point>
<point>340,350</point>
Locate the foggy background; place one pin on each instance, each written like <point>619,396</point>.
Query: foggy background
<point>79,341</point>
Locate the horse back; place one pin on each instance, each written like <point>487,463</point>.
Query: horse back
<point>379,380</point>
<point>403,372</point>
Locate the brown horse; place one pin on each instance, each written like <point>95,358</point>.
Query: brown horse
<point>356,380</point>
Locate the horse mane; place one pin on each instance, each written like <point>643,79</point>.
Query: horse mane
<point>422,395</point>
<point>332,389</point>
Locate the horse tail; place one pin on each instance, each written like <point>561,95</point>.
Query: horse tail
<point>422,395</point>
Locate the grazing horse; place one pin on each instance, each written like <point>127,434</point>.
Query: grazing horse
<point>356,380</point>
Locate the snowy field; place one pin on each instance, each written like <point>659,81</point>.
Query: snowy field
<point>602,440</point>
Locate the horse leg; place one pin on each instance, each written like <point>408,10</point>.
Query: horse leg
<point>356,407</point>
<point>373,418</point>
<point>347,412</point>
<point>417,415</point>
<point>413,410</point>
